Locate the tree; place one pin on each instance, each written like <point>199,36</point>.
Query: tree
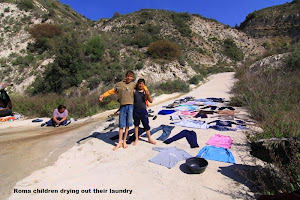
<point>67,70</point>
<point>95,48</point>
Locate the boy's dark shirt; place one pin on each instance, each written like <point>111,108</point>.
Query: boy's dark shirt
<point>139,100</point>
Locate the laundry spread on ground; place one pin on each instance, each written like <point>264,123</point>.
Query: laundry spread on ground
<point>184,113</point>
<point>220,141</point>
<point>169,156</point>
<point>192,124</point>
<point>216,153</point>
<point>190,136</point>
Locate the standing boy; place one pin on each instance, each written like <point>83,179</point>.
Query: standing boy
<point>140,113</point>
<point>124,90</point>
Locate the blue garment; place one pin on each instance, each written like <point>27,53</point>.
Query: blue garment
<point>241,122</point>
<point>242,127</point>
<point>220,100</point>
<point>166,131</point>
<point>203,100</point>
<point>51,122</point>
<point>169,156</point>
<point>141,115</point>
<point>126,115</point>
<point>211,107</point>
<point>216,153</point>
<point>190,136</point>
<point>222,128</point>
<point>210,103</point>
<point>223,123</point>
<point>166,112</point>
<point>228,107</point>
<point>186,107</point>
<point>192,124</point>
<point>36,120</point>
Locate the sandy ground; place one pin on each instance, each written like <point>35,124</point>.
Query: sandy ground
<point>91,170</point>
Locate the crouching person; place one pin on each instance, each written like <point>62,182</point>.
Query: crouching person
<point>59,117</point>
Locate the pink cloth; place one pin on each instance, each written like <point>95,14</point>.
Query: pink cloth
<point>191,113</point>
<point>220,141</point>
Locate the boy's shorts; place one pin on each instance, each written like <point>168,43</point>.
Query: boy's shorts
<point>125,116</point>
<point>141,115</point>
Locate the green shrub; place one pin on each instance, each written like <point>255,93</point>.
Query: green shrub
<point>25,5</point>
<point>67,69</point>
<point>180,20</point>
<point>43,105</point>
<point>293,61</point>
<point>141,39</point>
<point>170,87</point>
<point>196,79</point>
<point>164,49</point>
<point>44,30</point>
<point>232,51</point>
<point>272,98</point>
<point>116,14</point>
<point>95,48</point>
<point>112,105</point>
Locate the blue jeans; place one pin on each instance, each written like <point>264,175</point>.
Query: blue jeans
<point>126,116</point>
<point>166,131</point>
<point>51,122</point>
<point>190,136</point>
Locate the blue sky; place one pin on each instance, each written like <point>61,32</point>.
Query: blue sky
<point>230,12</point>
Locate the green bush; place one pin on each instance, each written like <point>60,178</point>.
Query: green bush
<point>232,51</point>
<point>196,79</point>
<point>95,48</point>
<point>44,30</point>
<point>43,105</point>
<point>141,39</point>
<point>293,61</point>
<point>180,20</point>
<point>170,87</point>
<point>67,69</point>
<point>112,105</point>
<point>272,98</point>
<point>164,49</point>
<point>25,5</point>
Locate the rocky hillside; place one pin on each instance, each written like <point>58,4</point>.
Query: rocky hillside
<point>282,20</point>
<point>202,43</point>
<point>83,53</point>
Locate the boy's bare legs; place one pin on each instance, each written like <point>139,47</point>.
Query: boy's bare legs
<point>136,133</point>
<point>149,137</point>
<point>120,139</point>
<point>125,137</point>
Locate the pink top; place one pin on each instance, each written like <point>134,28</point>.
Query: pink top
<point>60,115</point>
<point>191,113</point>
<point>220,141</point>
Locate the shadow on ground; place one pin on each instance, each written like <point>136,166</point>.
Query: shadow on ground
<point>111,137</point>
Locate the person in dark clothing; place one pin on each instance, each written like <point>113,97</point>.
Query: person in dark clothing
<point>140,113</point>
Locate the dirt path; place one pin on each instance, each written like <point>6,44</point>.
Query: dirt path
<point>59,164</point>
<point>26,149</point>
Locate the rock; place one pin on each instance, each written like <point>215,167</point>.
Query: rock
<point>284,148</point>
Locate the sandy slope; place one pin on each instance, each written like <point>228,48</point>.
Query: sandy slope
<point>93,165</point>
